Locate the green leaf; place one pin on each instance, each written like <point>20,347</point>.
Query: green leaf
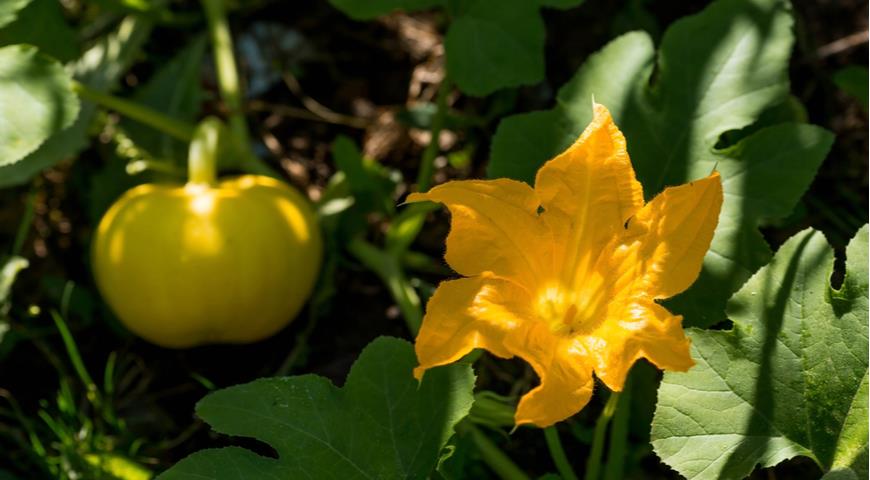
<point>7,475</point>
<point>495,44</point>
<point>9,10</point>
<point>762,179</point>
<point>361,187</point>
<point>10,270</point>
<point>789,379</point>
<point>175,90</point>
<point>43,25</point>
<point>716,72</point>
<point>369,9</point>
<point>36,101</point>
<point>99,68</point>
<point>381,424</point>
<point>854,81</point>
<point>490,44</point>
<point>111,466</point>
<point>561,4</point>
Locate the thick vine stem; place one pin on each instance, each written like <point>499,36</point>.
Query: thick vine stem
<point>593,467</point>
<point>427,162</point>
<point>388,267</point>
<point>203,153</point>
<point>225,63</point>
<point>557,452</point>
<point>615,467</point>
<point>496,459</point>
<point>154,119</point>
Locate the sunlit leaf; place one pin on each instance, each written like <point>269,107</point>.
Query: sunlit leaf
<point>715,72</point>
<point>117,467</point>
<point>99,68</point>
<point>9,10</point>
<point>789,379</point>
<point>8,273</point>
<point>36,101</point>
<point>381,424</point>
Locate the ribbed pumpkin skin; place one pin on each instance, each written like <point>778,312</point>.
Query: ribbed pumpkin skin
<point>189,265</point>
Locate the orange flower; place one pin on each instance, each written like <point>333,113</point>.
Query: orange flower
<point>566,275</point>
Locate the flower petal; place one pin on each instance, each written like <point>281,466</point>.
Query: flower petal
<point>565,373</point>
<point>589,191</point>
<point>664,247</point>
<point>644,329</point>
<point>466,314</point>
<point>494,228</point>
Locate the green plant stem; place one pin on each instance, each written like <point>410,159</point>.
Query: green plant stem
<point>593,465</point>
<point>388,267</point>
<point>427,161</point>
<point>497,460</point>
<point>615,467</point>
<point>76,358</point>
<point>203,153</point>
<point>138,166</point>
<point>227,73</point>
<point>25,225</point>
<point>554,444</point>
<point>166,124</point>
<point>402,233</point>
<point>230,89</point>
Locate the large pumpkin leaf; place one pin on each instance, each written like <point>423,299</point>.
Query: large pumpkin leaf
<point>490,44</point>
<point>36,101</point>
<point>790,377</point>
<point>716,72</point>
<point>381,424</point>
<point>99,68</point>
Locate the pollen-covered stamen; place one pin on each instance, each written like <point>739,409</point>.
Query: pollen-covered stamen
<point>556,306</point>
<point>569,310</point>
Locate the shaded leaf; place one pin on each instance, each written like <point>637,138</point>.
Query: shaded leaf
<point>361,187</point>
<point>369,9</point>
<point>175,90</point>
<point>36,101</point>
<point>43,25</point>
<point>490,44</point>
<point>854,81</point>
<point>789,379</point>
<point>381,424</point>
<point>716,72</point>
<point>762,179</point>
<point>562,4</point>
<point>494,44</point>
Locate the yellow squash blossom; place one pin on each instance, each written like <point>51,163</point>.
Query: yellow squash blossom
<point>566,275</point>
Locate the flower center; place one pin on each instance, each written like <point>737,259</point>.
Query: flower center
<point>557,307</point>
<point>567,310</point>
